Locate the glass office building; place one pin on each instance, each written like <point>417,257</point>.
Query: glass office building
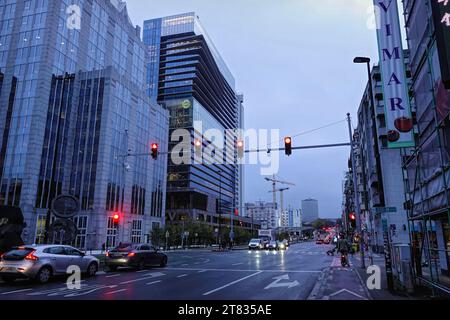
<point>73,104</point>
<point>188,77</point>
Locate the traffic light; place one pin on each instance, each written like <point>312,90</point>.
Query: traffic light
<point>288,146</point>
<point>116,220</point>
<point>240,149</point>
<point>236,212</point>
<point>198,147</point>
<point>352,220</point>
<point>155,151</point>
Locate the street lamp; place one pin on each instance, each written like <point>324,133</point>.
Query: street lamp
<point>366,60</point>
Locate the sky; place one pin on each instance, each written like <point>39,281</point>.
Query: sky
<point>293,61</point>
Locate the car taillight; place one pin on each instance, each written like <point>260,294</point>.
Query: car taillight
<point>31,257</point>
<point>107,254</point>
<point>131,254</point>
<point>2,255</point>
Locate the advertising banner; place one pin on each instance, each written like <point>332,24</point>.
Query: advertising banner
<point>399,121</point>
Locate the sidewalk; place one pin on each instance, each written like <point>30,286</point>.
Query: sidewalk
<point>338,283</point>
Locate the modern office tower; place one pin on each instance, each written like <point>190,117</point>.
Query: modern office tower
<point>310,210</point>
<point>187,75</point>
<point>73,106</point>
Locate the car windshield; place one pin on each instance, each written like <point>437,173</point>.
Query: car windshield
<point>17,254</point>
<point>255,240</point>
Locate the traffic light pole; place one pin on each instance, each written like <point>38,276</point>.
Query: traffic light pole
<point>356,196</point>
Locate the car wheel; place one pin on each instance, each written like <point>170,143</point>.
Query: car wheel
<point>92,269</point>
<point>8,279</point>
<point>163,262</point>
<point>44,275</point>
<point>112,268</point>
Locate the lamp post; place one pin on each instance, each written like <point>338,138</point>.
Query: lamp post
<point>366,60</point>
<point>219,236</point>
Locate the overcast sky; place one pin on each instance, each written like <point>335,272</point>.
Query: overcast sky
<point>293,61</point>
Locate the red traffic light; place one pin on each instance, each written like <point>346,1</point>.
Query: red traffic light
<point>288,146</point>
<point>236,212</point>
<point>352,216</point>
<point>240,149</point>
<point>154,151</point>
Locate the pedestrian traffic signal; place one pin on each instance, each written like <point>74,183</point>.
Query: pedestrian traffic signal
<point>155,151</point>
<point>240,149</point>
<point>116,219</point>
<point>236,212</point>
<point>288,146</point>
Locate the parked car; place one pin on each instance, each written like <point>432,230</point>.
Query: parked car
<point>273,245</point>
<point>256,244</point>
<point>138,256</point>
<point>42,262</point>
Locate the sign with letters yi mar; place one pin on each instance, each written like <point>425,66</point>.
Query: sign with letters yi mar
<point>399,122</point>
<point>441,19</point>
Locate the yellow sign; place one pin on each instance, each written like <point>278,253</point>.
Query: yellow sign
<point>186,104</point>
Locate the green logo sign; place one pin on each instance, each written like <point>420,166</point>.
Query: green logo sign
<point>186,104</point>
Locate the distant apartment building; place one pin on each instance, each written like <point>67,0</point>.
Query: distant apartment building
<point>264,212</point>
<point>310,210</point>
<point>73,105</point>
<point>187,75</point>
<point>294,218</point>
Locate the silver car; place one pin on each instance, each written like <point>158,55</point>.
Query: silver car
<point>42,262</point>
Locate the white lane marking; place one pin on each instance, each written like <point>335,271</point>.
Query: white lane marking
<point>232,283</point>
<point>148,276</point>
<point>201,271</point>
<point>117,291</point>
<point>15,291</point>
<point>278,284</point>
<point>243,270</point>
<point>184,264</point>
<point>82,292</point>
<point>113,275</point>
<point>153,282</point>
<point>182,275</point>
<point>100,273</point>
<point>140,271</point>
<point>237,264</point>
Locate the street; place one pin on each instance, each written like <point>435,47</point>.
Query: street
<point>197,275</point>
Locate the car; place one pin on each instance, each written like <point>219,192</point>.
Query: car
<point>42,262</point>
<point>136,256</point>
<point>273,245</point>
<point>319,241</point>
<point>282,245</point>
<point>286,243</point>
<point>256,244</point>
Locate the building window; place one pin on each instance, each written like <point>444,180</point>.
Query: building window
<point>136,231</point>
<point>40,228</point>
<point>81,223</point>
<point>111,233</point>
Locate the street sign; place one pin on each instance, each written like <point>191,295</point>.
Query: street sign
<point>384,210</point>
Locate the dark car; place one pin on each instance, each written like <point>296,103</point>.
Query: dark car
<point>137,256</point>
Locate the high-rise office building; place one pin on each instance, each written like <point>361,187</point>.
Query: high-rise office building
<point>310,210</point>
<point>187,75</point>
<point>73,104</point>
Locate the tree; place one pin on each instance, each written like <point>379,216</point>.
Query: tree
<point>156,237</point>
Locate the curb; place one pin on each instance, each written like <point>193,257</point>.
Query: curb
<point>319,284</point>
<point>363,284</point>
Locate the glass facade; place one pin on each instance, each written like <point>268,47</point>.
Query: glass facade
<point>189,78</point>
<point>76,106</point>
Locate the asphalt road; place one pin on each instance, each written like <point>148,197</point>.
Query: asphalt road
<point>197,275</point>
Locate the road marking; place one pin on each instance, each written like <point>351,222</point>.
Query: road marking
<point>149,276</point>
<point>237,264</point>
<point>243,270</point>
<point>232,283</point>
<point>113,275</point>
<point>140,271</point>
<point>348,291</point>
<point>15,291</point>
<point>182,275</point>
<point>100,273</point>
<point>277,284</point>
<point>83,292</point>
<point>117,291</point>
<point>184,264</point>
<point>153,282</point>
<point>201,271</point>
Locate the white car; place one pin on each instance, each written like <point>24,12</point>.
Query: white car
<point>256,244</point>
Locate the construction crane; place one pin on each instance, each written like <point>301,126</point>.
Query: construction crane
<point>274,181</point>
<point>281,203</point>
